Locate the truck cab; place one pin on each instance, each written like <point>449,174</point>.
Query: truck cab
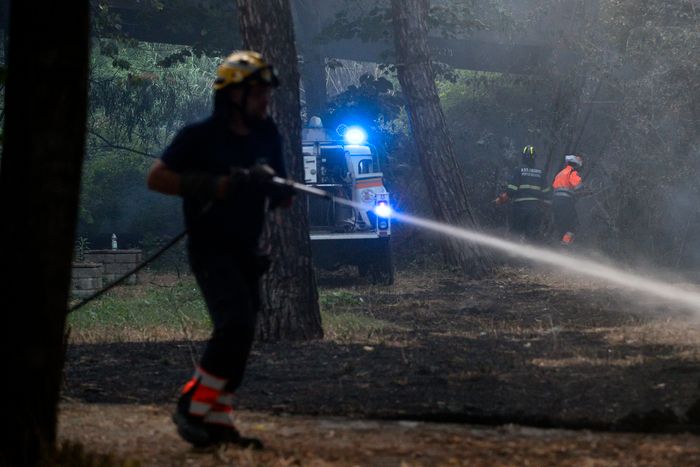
<point>345,165</point>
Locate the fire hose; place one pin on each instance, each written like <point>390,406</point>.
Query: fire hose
<point>279,181</point>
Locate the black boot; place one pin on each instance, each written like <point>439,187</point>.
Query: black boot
<point>190,427</point>
<point>223,434</point>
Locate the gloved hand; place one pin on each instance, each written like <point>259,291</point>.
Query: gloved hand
<point>502,199</point>
<point>256,179</point>
<point>261,174</point>
<point>200,185</point>
<point>281,196</point>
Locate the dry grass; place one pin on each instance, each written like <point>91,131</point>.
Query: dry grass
<point>517,323</point>
<point>146,433</point>
<point>664,332</point>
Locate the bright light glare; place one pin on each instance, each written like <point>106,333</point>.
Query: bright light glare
<point>382,210</point>
<point>355,135</point>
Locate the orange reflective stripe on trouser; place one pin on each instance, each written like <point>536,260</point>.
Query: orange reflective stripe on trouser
<point>568,238</point>
<point>189,385</point>
<point>207,390</point>
<point>221,412</point>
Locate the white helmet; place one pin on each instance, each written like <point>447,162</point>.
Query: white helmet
<point>315,122</point>
<point>576,161</point>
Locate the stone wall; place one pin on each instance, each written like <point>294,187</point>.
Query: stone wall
<point>86,279</point>
<point>116,263</point>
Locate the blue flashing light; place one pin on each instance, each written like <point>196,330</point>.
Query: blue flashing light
<point>355,135</point>
<point>383,209</point>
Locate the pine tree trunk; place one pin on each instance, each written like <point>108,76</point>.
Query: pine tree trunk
<point>313,70</point>
<point>290,298</point>
<point>314,81</point>
<point>44,138</point>
<point>441,170</point>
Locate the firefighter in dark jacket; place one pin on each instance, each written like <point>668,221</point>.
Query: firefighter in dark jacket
<point>222,168</point>
<point>527,190</point>
<point>566,188</point>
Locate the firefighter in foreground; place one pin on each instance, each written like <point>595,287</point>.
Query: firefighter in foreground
<point>222,167</point>
<point>567,187</point>
<point>527,190</point>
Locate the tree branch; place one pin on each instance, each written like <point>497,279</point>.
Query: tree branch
<point>112,145</point>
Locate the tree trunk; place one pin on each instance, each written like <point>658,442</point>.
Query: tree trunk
<point>313,71</point>
<point>441,170</point>
<point>314,81</point>
<point>290,298</point>
<point>44,138</point>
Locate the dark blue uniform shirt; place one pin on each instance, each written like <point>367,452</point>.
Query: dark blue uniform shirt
<point>211,147</point>
<point>527,185</point>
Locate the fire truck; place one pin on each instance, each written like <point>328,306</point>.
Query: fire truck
<point>344,164</point>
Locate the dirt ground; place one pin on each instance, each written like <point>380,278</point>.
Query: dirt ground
<point>518,369</point>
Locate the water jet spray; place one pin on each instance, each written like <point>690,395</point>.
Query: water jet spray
<point>571,263</point>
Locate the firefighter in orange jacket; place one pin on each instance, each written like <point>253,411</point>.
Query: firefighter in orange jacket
<point>566,188</point>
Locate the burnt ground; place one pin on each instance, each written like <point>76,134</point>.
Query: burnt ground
<point>521,347</point>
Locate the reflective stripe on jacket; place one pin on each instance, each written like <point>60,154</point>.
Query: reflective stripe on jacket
<point>527,184</point>
<point>567,182</point>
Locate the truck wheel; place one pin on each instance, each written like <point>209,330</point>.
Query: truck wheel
<point>381,270</point>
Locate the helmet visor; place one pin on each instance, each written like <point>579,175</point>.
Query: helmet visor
<point>265,76</point>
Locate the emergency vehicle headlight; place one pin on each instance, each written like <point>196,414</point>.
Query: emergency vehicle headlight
<point>382,210</point>
<point>355,135</point>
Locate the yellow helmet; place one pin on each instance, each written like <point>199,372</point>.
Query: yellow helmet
<point>244,67</point>
<point>529,151</point>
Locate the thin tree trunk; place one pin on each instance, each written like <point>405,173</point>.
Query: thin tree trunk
<point>441,169</point>
<point>314,80</point>
<point>313,70</point>
<point>44,139</point>
<point>290,298</point>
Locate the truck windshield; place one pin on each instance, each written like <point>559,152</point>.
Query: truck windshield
<point>365,166</point>
<point>333,165</point>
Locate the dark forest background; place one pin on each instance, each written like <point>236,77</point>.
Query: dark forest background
<point>627,99</point>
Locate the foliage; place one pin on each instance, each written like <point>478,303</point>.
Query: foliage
<point>141,94</point>
<point>657,137</point>
<point>488,135</point>
<point>376,105</point>
<point>372,102</point>
<point>629,103</point>
<point>82,245</point>
<point>143,102</point>
<point>638,61</point>
<point>176,21</point>
<point>134,113</point>
<point>371,21</point>
<point>168,310</point>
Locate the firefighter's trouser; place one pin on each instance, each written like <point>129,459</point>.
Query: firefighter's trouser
<point>526,218</point>
<point>565,216</point>
<point>229,284</point>
<point>204,396</point>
